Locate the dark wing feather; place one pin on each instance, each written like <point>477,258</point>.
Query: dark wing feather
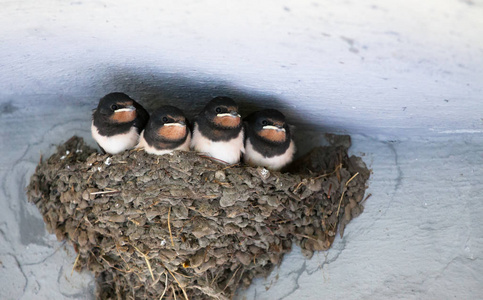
<point>142,117</point>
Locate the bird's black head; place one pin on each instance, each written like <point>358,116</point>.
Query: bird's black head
<point>268,125</point>
<point>222,113</point>
<point>116,108</point>
<point>167,123</point>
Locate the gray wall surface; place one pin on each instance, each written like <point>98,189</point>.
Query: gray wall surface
<point>404,78</point>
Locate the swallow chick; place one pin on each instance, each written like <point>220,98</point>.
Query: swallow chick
<point>218,131</point>
<point>165,132</point>
<point>268,143</point>
<point>117,122</point>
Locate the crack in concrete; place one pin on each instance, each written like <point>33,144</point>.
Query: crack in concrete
<point>34,145</point>
<point>29,227</point>
<point>59,274</point>
<point>299,273</point>
<point>343,243</point>
<point>15,200</point>
<point>399,177</point>
<point>45,258</point>
<point>390,144</point>
<point>458,258</point>
<point>21,270</point>
<point>303,269</point>
<point>3,234</point>
<point>78,295</point>
<point>37,289</point>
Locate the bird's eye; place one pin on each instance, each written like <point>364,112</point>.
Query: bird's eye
<point>114,107</point>
<point>264,122</point>
<point>165,119</point>
<point>218,110</point>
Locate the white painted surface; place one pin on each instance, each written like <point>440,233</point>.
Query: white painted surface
<point>358,66</point>
<point>404,77</point>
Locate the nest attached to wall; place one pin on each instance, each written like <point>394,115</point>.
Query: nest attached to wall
<point>183,225</point>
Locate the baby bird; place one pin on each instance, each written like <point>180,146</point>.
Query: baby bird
<point>218,131</point>
<point>165,132</point>
<point>268,143</point>
<point>117,122</point>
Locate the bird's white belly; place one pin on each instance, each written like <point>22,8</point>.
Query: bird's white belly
<point>116,143</point>
<point>226,151</point>
<point>274,163</point>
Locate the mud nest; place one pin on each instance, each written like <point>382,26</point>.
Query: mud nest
<point>184,226</point>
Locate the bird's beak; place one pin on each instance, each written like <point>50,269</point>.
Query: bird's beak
<point>180,124</point>
<point>233,114</point>
<point>128,108</point>
<point>274,127</point>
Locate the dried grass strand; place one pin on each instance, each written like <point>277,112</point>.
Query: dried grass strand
<point>179,284</point>
<point>75,263</point>
<point>147,261</point>
<point>343,193</point>
<point>105,192</point>
<point>169,227</point>
<point>165,287</point>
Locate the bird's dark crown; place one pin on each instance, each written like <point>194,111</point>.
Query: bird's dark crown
<point>216,127</point>
<point>219,105</point>
<point>268,142</point>
<point>109,122</point>
<point>267,117</point>
<point>160,136</point>
<point>166,114</point>
<point>113,101</point>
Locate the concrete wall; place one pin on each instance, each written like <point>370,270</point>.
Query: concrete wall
<point>373,67</point>
<point>404,78</point>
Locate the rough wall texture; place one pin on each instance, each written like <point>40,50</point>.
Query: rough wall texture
<point>404,78</point>
<point>356,66</point>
